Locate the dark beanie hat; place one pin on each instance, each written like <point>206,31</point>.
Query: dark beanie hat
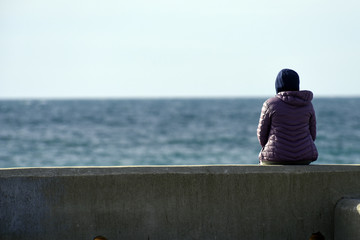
<point>287,80</point>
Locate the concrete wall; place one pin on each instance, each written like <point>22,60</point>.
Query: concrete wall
<point>347,219</point>
<point>174,202</point>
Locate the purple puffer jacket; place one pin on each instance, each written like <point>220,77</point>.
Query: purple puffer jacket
<point>287,128</point>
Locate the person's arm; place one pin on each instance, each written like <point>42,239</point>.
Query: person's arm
<point>312,124</point>
<point>264,125</point>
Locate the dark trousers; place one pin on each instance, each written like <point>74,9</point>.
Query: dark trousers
<point>303,162</point>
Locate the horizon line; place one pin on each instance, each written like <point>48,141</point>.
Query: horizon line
<point>157,97</point>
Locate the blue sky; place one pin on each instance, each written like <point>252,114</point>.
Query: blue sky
<point>197,48</point>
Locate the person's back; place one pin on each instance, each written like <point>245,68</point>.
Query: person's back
<point>287,125</point>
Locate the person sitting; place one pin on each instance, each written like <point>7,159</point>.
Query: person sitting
<point>287,124</point>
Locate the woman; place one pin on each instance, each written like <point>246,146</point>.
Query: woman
<point>287,125</point>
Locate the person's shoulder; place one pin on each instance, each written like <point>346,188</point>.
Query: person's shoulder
<point>272,101</point>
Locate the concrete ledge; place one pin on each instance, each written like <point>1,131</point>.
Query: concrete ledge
<point>347,219</point>
<point>174,202</point>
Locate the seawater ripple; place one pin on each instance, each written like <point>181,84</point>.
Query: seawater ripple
<point>37,133</point>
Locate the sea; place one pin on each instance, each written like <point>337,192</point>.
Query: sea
<point>123,132</point>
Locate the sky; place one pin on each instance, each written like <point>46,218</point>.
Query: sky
<point>177,48</point>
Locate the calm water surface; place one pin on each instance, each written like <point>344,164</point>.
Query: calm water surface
<point>158,131</point>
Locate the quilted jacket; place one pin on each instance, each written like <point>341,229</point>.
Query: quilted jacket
<point>287,128</point>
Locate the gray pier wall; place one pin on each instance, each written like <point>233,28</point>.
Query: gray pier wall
<point>174,202</point>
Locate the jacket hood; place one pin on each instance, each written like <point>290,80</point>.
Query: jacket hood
<point>287,80</point>
<point>297,98</point>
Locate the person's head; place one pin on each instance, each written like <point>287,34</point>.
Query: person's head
<point>287,80</point>
<point>100,238</point>
<point>317,236</point>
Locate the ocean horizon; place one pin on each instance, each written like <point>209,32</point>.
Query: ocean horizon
<point>158,131</point>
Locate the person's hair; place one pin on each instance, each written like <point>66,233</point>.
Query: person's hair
<point>317,236</point>
<point>100,238</point>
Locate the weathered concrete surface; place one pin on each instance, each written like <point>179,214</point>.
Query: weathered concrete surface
<point>347,219</point>
<point>174,202</point>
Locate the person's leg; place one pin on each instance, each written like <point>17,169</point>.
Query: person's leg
<point>267,163</point>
